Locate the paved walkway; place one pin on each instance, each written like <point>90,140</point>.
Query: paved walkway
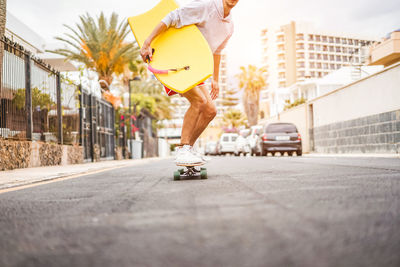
<point>20,177</point>
<point>251,211</point>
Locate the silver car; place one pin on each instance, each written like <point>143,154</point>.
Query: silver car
<point>242,144</point>
<point>210,148</point>
<point>255,132</point>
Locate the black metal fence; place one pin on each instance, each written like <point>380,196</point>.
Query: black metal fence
<point>37,103</point>
<point>30,97</point>
<point>97,127</point>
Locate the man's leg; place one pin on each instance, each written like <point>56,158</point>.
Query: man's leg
<point>208,113</point>
<point>197,102</point>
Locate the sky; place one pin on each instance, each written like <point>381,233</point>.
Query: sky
<point>374,18</point>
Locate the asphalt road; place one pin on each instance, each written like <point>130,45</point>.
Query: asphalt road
<point>300,211</point>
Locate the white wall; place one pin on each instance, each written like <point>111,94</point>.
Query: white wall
<point>372,95</point>
<point>375,94</point>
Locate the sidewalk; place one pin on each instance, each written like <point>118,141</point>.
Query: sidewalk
<point>27,176</point>
<point>365,155</point>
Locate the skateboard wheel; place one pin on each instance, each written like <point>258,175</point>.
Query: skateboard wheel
<point>203,174</point>
<point>181,171</point>
<point>177,176</point>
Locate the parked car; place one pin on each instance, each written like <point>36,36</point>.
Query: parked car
<point>226,143</point>
<point>255,132</point>
<point>242,144</point>
<point>279,137</point>
<point>210,148</point>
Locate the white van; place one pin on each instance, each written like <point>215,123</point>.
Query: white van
<point>227,143</point>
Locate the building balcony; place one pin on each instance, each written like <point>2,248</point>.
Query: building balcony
<point>387,52</point>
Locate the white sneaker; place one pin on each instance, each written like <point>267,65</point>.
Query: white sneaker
<point>184,156</point>
<point>200,155</point>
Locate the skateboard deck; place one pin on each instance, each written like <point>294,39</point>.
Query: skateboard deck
<point>174,49</point>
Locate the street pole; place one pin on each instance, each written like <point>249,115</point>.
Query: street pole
<point>130,112</point>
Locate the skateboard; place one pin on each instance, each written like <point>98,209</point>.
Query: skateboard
<point>182,58</point>
<point>190,171</point>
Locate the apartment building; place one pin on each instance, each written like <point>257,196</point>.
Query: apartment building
<point>298,51</point>
<point>172,128</point>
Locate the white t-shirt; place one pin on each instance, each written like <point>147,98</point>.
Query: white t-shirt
<point>208,16</point>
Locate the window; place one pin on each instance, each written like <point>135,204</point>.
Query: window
<point>325,48</point>
<point>301,64</point>
<point>338,49</point>
<point>281,128</point>
<point>318,47</point>
<point>337,40</point>
<point>344,41</point>
<point>338,58</point>
<point>318,38</point>
<point>325,57</point>
<point>331,40</point>
<point>331,49</point>
<point>311,37</point>
<point>356,42</point>
<point>332,66</point>
<point>312,56</point>
<point>300,36</point>
<point>324,39</point>
<point>282,84</point>
<point>319,56</point>
<point>311,47</point>
<point>319,74</point>
<point>331,57</point>
<point>312,65</point>
<point>312,74</point>
<point>281,39</point>
<point>325,66</point>
<point>344,49</point>
<point>319,65</point>
<point>281,66</point>
<point>345,59</point>
<point>350,41</point>
<point>356,59</point>
<point>302,73</point>
<point>300,55</point>
<point>300,46</point>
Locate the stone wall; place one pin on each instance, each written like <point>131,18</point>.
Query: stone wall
<point>25,154</point>
<point>14,154</point>
<point>50,154</point>
<point>378,133</point>
<point>74,154</point>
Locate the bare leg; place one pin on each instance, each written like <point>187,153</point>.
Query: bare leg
<point>208,113</point>
<point>197,101</point>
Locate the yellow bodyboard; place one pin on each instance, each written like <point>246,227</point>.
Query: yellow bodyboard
<point>175,48</point>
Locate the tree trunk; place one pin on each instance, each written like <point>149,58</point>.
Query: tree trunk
<point>3,13</point>
<point>251,106</point>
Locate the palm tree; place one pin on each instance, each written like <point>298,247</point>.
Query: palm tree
<point>251,80</point>
<point>234,118</point>
<point>100,45</point>
<point>151,88</point>
<point>3,13</point>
